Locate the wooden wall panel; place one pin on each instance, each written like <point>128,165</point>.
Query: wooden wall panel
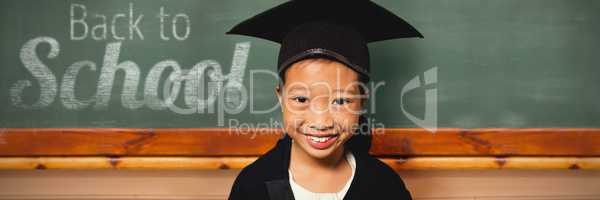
<point>215,184</point>
<point>226,142</point>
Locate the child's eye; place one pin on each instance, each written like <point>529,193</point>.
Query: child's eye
<point>300,99</point>
<point>341,101</point>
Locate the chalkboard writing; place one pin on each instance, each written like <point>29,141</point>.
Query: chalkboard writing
<point>155,63</point>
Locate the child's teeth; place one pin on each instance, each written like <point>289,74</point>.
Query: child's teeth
<point>319,139</point>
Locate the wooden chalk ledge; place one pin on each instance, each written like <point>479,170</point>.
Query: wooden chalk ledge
<point>214,163</point>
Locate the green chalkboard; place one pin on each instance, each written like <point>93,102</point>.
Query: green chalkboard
<point>158,63</point>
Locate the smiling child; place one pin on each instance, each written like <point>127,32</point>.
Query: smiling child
<point>324,66</point>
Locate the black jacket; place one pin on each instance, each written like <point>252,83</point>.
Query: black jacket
<point>267,178</point>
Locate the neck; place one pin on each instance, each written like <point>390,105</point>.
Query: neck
<point>298,155</point>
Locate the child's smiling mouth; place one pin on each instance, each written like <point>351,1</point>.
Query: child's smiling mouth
<point>321,141</point>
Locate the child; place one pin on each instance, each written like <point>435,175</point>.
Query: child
<point>323,64</point>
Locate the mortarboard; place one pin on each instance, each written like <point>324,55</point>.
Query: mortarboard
<point>334,29</point>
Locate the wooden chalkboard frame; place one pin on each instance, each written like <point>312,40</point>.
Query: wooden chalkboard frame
<point>221,148</point>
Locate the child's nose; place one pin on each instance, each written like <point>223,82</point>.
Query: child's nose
<point>320,121</point>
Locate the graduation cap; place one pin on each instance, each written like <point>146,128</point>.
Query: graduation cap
<point>334,29</point>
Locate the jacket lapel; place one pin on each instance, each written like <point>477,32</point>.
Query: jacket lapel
<point>354,192</point>
<point>279,187</point>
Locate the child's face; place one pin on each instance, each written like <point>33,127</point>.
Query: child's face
<point>321,103</point>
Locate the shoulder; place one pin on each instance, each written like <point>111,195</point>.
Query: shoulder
<point>260,170</point>
<point>250,182</point>
<point>269,166</point>
<point>388,182</point>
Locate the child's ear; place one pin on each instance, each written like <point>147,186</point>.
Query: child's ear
<point>278,93</point>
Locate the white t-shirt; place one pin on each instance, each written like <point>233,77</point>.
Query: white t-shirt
<point>301,193</point>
